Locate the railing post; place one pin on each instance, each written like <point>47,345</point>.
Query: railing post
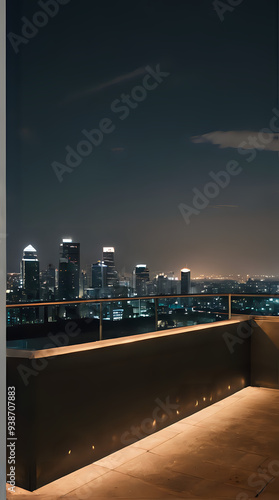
<point>45,314</point>
<point>101,322</point>
<point>230,305</point>
<point>156,313</point>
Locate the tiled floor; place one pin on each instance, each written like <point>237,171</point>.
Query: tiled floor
<point>227,451</point>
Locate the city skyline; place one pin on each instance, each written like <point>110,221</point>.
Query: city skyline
<point>102,280</point>
<point>129,271</point>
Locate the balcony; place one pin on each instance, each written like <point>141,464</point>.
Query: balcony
<point>149,392</point>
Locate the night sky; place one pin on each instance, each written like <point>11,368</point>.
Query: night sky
<point>126,193</point>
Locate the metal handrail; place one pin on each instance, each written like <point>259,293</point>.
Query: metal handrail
<point>149,297</point>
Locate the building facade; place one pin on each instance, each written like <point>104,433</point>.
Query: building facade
<point>30,273</point>
<point>140,280</point>
<point>109,261</point>
<point>69,270</point>
<point>185,281</point>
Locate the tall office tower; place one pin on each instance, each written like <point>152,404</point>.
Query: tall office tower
<point>88,270</point>
<point>30,272</point>
<point>99,275</point>
<point>161,284</point>
<point>140,280</point>
<point>69,270</point>
<point>185,281</point>
<point>83,283</point>
<point>108,260</point>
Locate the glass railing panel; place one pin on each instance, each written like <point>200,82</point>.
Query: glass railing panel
<point>28,315</point>
<point>35,326</point>
<point>177,312</point>
<point>60,325</point>
<point>128,317</point>
<point>258,306</point>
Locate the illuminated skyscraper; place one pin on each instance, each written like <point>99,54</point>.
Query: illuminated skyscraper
<point>30,272</point>
<point>99,275</point>
<point>161,282</point>
<point>140,280</point>
<point>185,281</point>
<point>69,270</point>
<point>108,260</point>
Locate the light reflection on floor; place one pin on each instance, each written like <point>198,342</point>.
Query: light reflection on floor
<point>229,450</point>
